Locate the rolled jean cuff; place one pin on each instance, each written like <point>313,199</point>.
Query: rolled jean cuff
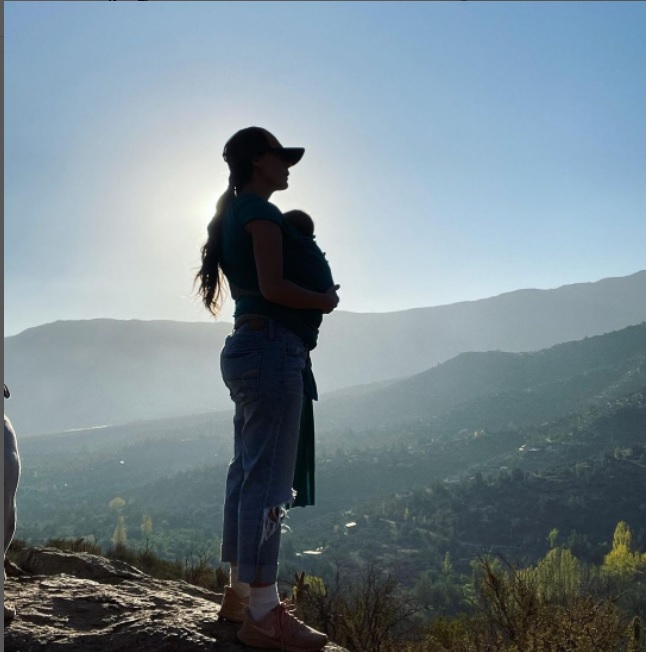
<point>258,574</point>
<point>229,552</point>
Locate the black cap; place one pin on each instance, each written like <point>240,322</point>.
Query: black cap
<point>255,140</point>
<point>7,393</point>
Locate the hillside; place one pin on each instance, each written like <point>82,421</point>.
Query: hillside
<point>104,372</point>
<point>179,483</point>
<point>415,483</point>
<point>496,389</point>
<point>501,492</point>
<point>107,372</point>
<point>397,344</point>
<point>512,513</point>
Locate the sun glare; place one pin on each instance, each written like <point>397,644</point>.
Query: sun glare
<point>205,208</point>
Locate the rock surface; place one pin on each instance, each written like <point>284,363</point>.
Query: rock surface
<point>77,601</point>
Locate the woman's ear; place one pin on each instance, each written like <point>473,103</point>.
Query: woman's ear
<point>256,161</point>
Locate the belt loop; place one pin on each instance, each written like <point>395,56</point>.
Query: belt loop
<point>271,329</point>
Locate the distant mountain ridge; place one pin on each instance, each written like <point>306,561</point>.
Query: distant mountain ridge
<point>87,373</point>
<point>496,389</point>
<point>376,347</point>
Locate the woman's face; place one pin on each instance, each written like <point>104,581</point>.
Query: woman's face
<point>272,170</point>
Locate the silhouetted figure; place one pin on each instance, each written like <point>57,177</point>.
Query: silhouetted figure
<point>11,479</point>
<point>263,363</point>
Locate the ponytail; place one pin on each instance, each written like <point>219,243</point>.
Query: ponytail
<point>209,278</point>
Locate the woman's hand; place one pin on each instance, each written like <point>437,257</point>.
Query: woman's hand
<point>331,299</point>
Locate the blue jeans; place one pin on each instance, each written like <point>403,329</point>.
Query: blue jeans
<point>262,365</point>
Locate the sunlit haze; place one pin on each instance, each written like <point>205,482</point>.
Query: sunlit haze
<point>454,150</point>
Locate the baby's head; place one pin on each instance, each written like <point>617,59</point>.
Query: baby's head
<point>301,221</point>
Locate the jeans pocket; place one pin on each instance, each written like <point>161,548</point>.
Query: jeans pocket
<point>241,374</point>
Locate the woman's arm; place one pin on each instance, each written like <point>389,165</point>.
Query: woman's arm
<point>267,240</point>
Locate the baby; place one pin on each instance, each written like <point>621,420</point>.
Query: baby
<point>305,263</point>
<point>301,221</point>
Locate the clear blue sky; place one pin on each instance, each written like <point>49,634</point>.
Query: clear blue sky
<point>454,150</point>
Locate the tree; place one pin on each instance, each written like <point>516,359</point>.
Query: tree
<point>117,504</point>
<point>552,537</point>
<point>119,535</point>
<point>621,560</point>
<point>559,576</point>
<point>146,525</point>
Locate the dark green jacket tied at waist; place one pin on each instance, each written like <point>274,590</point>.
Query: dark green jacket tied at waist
<point>305,458</point>
<point>304,264</point>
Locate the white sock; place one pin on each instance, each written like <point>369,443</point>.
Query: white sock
<point>262,600</point>
<point>241,588</point>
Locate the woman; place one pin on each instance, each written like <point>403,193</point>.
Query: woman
<point>262,364</point>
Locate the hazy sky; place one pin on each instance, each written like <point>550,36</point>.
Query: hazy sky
<point>454,150</point>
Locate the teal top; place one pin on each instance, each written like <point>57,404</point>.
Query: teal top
<point>303,263</point>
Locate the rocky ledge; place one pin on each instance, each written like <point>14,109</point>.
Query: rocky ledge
<point>78,601</point>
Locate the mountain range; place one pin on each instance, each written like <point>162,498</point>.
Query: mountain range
<point>80,374</point>
<point>498,389</point>
<point>475,414</point>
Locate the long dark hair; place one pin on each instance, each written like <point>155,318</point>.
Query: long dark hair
<point>209,278</point>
